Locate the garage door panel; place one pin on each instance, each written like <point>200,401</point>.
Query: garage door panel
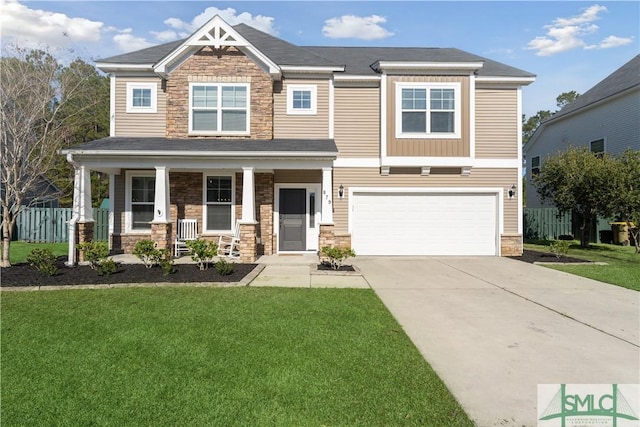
<point>424,224</point>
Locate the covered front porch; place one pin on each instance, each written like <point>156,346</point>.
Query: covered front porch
<point>278,193</point>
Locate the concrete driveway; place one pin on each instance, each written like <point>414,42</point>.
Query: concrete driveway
<point>495,328</point>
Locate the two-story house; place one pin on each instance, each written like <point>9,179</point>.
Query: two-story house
<point>393,151</point>
<point>606,118</point>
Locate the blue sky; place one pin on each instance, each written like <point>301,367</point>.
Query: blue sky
<point>569,45</point>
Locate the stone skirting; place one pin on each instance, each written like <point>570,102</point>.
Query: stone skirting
<point>511,244</point>
<point>161,235</point>
<point>84,233</point>
<point>327,236</point>
<point>248,246</point>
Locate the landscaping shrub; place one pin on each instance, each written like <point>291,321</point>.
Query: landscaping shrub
<point>337,255</point>
<point>94,252</point>
<point>202,252</point>
<point>147,252</point>
<point>107,267</point>
<point>43,260</point>
<point>165,260</point>
<point>560,248</point>
<point>223,267</point>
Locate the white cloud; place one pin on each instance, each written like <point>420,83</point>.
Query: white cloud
<point>356,27</point>
<point>260,22</point>
<point>611,41</point>
<point>569,33</point>
<point>127,42</point>
<point>165,36</point>
<point>31,28</point>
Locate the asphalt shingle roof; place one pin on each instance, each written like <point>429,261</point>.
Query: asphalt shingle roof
<point>358,60</point>
<point>208,146</point>
<point>620,80</point>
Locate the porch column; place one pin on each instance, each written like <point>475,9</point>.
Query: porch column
<point>248,243</point>
<point>327,234</point>
<point>248,196</point>
<point>82,196</point>
<point>161,224</point>
<point>327,196</point>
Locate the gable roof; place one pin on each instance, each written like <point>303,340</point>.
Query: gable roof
<point>349,60</point>
<point>624,78</point>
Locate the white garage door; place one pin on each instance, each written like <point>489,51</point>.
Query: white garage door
<point>424,224</point>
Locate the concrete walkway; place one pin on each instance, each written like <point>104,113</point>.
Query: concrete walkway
<point>495,328</point>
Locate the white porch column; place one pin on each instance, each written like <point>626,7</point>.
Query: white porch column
<point>161,204</point>
<point>83,183</point>
<point>248,196</point>
<point>327,196</point>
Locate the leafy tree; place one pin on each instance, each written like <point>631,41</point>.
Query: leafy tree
<point>36,95</point>
<point>566,98</point>
<point>626,200</point>
<point>579,181</point>
<point>530,125</point>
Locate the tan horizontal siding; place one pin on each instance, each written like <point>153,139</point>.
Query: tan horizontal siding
<point>139,124</point>
<point>285,176</point>
<point>357,121</point>
<point>301,126</point>
<point>370,177</point>
<point>497,123</point>
<point>459,147</point>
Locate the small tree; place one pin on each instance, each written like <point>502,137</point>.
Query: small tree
<point>626,200</point>
<point>579,181</point>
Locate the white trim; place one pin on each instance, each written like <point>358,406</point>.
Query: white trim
<point>472,116</point>
<point>231,175</point>
<point>427,86</point>
<point>332,110</point>
<point>384,88</point>
<point>519,142</point>
<point>153,87</point>
<point>112,203</point>
<point>356,162</point>
<point>112,106</point>
<point>109,67</point>
<point>313,94</point>
<point>312,237</point>
<point>162,198</point>
<point>311,68</point>
<point>356,77</point>
<point>248,196</point>
<point>127,201</point>
<point>199,154</point>
<point>511,80</point>
<point>426,65</point>
<point>498,191</point>
<point>327,196</point>
<point>449,162</point>
<point>219,108</point>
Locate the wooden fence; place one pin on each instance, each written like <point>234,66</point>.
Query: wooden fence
<point>546,223</point>
<point>52,224</point>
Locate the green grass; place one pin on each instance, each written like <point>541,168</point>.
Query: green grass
<point>622,269</point>
<point>18,251</point>
<point>212,356</point>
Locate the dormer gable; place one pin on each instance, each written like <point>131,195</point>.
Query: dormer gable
<point>216,33</point>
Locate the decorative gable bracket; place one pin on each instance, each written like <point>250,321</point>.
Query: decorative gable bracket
<point>217,34</point>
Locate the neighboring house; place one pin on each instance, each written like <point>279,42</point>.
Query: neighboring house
<point>389,150</point>
<point>45,194</point>
<point>606,118</point>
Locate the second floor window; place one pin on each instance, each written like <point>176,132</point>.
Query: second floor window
<point>142,97</point>
<point>219,109</point>
<point>301,99</point>
<point>428,110</point>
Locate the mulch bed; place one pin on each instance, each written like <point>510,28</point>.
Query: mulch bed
<point>24,275</point>
<point>325,266</point>
<point>536,256</point>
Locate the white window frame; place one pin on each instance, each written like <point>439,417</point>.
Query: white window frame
<point>219,108</point>
<point>604,145</point>
<point>205,175</point>
<point>457,125</point>
<point>312,110</point>
<point>128,220</point>
<point>154,97</point>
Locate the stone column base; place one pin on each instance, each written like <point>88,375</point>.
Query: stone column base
<point>327,236</point>
<point>84,233</point>
<point>248,245</point>
<point>511,244</point>
<point>161,235</point>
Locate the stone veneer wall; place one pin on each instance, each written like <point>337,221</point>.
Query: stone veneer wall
<point>264,214</point>
<point>84,233</point>
<point>227,65</point>
<point>511,244</point>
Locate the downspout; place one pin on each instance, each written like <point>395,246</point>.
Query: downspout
<point>71,261</point>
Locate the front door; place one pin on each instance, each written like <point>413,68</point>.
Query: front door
<point>293,212</point>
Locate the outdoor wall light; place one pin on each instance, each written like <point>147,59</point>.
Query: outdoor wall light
<point>512,191</point>
<point>341,191</point>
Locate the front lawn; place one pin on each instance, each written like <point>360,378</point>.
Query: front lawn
<point>622,269</point>
<point>213,356</point>
<point>18,251</point>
